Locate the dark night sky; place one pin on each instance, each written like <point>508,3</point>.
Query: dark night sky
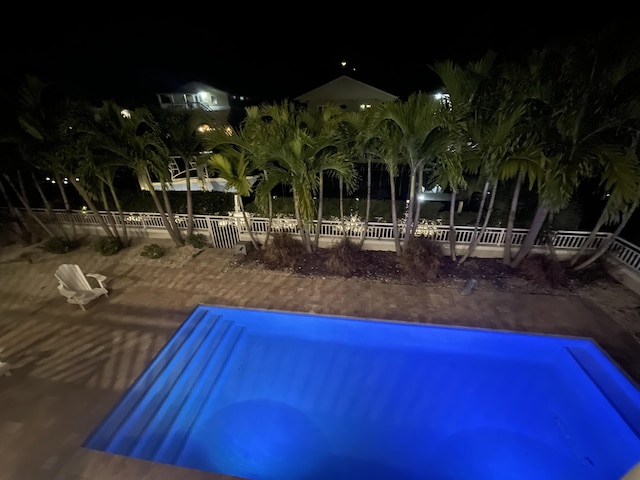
<point>101,54</point>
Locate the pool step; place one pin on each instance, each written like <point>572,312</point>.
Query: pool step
<point>201,374</point>
<point>119,432</point>
<point>185,415</point>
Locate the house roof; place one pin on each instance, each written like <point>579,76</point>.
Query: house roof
<point>345,88</point>
<point>196,87</point>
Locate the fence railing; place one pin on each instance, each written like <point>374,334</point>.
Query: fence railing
<point>226,231</point>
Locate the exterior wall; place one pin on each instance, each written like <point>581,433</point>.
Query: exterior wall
<point>626,276</point>
<point>623,258</point>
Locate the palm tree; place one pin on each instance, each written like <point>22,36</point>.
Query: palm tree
<point>49,124</point>
<point>183,132</point>
<point>621,178</point>
<point>233,166</point>
<point>501,147</point>
<point>421,121</point>
<point>134,137</point>
<point>389,147</point>
<point>297,147</point>
<point>586,115</point>
<point>362,139</point>
<point>463,86</point>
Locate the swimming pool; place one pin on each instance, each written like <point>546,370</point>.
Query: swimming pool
<point>277,395</point>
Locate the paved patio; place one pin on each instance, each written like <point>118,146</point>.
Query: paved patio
<point>71,367</point>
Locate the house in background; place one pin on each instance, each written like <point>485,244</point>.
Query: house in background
<point>198,96</point>
<point>347,93</point>
<point>344,91</point>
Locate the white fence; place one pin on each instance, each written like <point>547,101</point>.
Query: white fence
<point>227,231</point>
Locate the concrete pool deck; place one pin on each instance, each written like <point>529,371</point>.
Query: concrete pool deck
<point>71,367</point>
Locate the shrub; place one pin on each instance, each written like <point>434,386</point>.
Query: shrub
<point>108,246</point>
<point>341,258</point>
<point>197,240</point>
<point>153,250</point>
<point>58,245</point>
<point>282,251</point>
<point>544,271</point>
<point>421,258</point>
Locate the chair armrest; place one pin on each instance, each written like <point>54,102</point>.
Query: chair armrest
<point>67,293</point>
<point>100,278</point>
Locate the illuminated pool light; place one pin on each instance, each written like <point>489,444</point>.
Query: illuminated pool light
<point>274,395</point>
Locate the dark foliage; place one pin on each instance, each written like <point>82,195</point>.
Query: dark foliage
<point>58,245</point>
<point>108,245</point>
<point>340,259</point>
<point>197,240</point>
<point>421,259</point>
<point>282,252</point>
<point>153,250</point>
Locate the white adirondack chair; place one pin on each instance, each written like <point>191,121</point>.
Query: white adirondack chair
<point>75,286</point>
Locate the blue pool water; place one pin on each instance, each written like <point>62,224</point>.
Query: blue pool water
<point>274,395</point>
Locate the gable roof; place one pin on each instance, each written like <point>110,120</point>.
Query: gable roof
<point>197,87</point>
<point>345,88</point>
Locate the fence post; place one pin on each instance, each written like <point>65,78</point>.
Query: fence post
<point>210,228</point>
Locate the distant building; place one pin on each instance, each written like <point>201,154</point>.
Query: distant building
<point>346,93</point>
<point>198,96</point>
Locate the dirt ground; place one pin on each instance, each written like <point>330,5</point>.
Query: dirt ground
<point>621,303</point>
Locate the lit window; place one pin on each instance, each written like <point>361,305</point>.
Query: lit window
<point>125,113</point>
<point>364,106</point>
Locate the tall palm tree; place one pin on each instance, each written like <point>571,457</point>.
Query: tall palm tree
<point>135,137</point>
<point>582,90</point>
<point>421,122</point>
<point>389,147</point>
<point>299,146</point>
<point>183,133</point>
<point>464,88</point>
<point>363,141</point>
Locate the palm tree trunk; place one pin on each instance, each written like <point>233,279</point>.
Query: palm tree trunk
<point>412,198</point>
<point>452,226</point>
<point>483,199</point>
<point>47,204</point>
<point>25,203</point>
<point>607,242</point>
<point>532,234</point>
<point>270,212</point>
<point>418,204</point>
<point>170,216</point>
<point>342,224</point>
<point>45,200</point>
<point>365,227</point>
<point>110,217</point>
<point>27,232</point>
<point>316,240</point>
<point>550,238</point>
<point>67,204</point>
<point>63,194</point>
<point>163,216</point>
<point>246,222</point>
<point>92,206</point>
<point>304,233</point>
<point>511,219</point>
<point>116,200</point>
<point>592,235</point>
<point>187,177</point>
<point>394,214</point>
<point>476,240</point>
